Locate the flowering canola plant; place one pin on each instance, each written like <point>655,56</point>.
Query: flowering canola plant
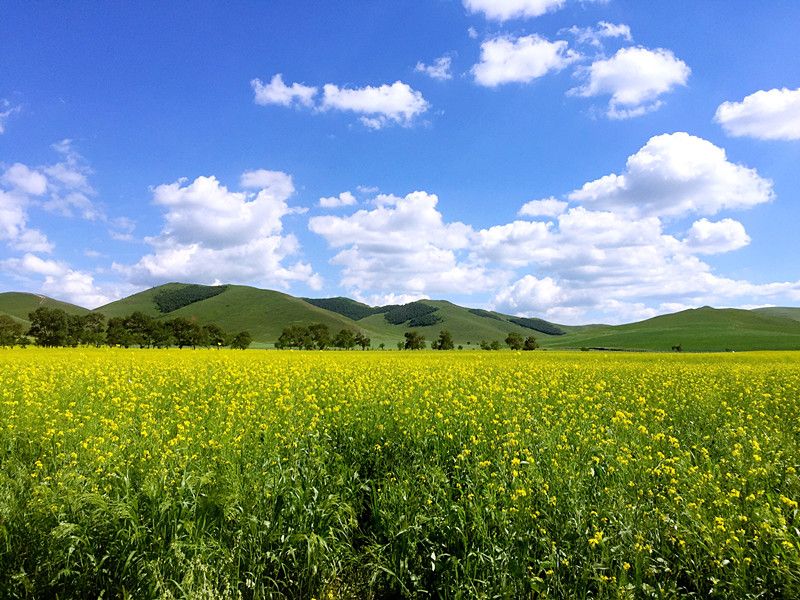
<point>224,474</point>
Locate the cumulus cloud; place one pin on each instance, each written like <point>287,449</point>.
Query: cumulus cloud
<point>765,115</point>
<point>59,280</point>
<point>211,233</point>
<point>507,59</point>
<point>715,237</point>
<point>6,110</point>
<point>549,207</point>
<point>277,92</point>
<point>378,106</point>
<point>594,36</point>
<point>343,199</point>
<point>403,246</point>
<point>440,69</point>
<point>603,266</point>
<point>504,10</point>
<point>677,174</point>
<point>635,78</point>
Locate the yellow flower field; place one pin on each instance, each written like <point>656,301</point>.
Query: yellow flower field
<point>225,474</point>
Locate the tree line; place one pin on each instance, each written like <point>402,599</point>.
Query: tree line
<point>52,327</point>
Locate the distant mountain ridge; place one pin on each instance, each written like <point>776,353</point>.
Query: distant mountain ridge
<point>265,313</point>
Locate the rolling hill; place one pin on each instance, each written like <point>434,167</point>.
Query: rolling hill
<point>19,304</point>
<point>696,330</point>
<point>265,313</point>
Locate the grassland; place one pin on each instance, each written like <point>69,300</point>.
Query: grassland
<point>19,304</point>
<point>223,474</point>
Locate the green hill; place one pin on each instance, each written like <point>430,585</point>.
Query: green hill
<point>264,313</point>
<point>19,304</point>
<point>697,330</point>
<point>779,311</point>
<point>467,326</point>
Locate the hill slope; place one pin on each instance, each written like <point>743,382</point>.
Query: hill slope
<point>264,313</point>
<point>19,304</point>
<point>696,330</point>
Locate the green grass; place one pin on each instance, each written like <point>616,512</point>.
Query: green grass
<point>19,304</point>
<point>265,313</point>
<point>697,330</point>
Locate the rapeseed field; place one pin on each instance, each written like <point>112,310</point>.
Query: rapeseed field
<point>267,474</point>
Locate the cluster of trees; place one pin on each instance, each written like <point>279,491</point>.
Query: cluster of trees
<point>54,327</point>
<point>318,337</point>
<point>514,341</point>
<point>11,332</point>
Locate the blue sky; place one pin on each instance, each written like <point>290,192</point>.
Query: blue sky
<point>574,160</point>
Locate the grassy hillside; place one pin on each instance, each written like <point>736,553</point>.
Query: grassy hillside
<point>779,311</point>
<point>264,313</point>
<point>466,327</point>
<point>697,330</point>
<point>19,304</point>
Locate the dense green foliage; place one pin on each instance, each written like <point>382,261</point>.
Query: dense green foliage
<point>347,307</point>
<point>169,300</point>
<point>479,312</point>
<point>407,312</point>
<point>425,320</point>
<point>539,325</point>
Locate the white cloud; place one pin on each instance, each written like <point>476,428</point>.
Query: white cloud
<point>403,246</point>
<point>472,33</point>
<point>6,110</point>
<point>277,92</point>
<point>367,189</point>
<point>28,181</point>
<point>14,205</point>
<point>714,237</point>
<point>60,281</point>
<point>396,103</point>
<point>379,106</point>
<point>504,10</point>
<point>549,207</point>
<point>677,174</point>
<point>212,234</point>
<point>343,199</point>
<point>523,59</point>
<point>603,30</point>
<point>440,69</point>
<point>635,78</point>
<point>765,115</point>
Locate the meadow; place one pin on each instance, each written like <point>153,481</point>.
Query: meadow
<point>268,474</point>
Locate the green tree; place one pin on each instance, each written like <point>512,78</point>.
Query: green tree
<point>293,336</point>
<point>242,340</point>
<point>48,326</point>
<point>515,341</point>
<point>186,332</point>
<point>94,329</point>
<point>215,335</point>
<point>321,335</point>
<point>530,343</point>
<point>444,342</point>
<point>10,331</point>
<point>116,333</point>
<point>345,339</point>
<point>414,341</point>
<point>160,334</point>
<point>362,340</point>
<point>139,327</point>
